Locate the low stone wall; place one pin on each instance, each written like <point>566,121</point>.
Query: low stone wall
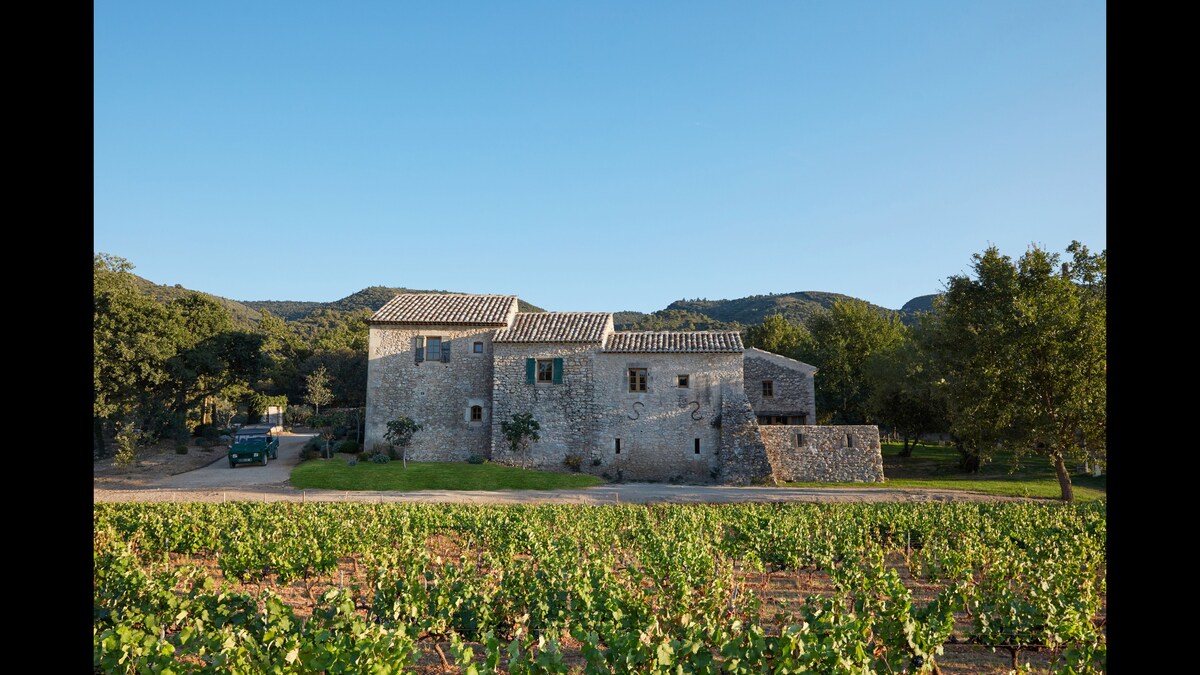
<point>827,454</point>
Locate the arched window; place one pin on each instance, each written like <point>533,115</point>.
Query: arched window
<point>476,413</point>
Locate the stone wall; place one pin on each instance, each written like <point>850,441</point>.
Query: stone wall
<point>566,411</point>
<point>743,455</point>
<point>794,392</point>
<point>827,454</point>
<point>659,427</point>
<point>437,395</point>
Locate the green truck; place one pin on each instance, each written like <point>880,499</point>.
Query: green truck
<point>253,444</point>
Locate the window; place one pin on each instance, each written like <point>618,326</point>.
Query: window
<point>477,348</point>
<point>768,388</point>
<point>476,413</point>
<point>696,447</point>
<point>799,440</point>
<point>433,349</point>
<point>682,381</point>
<point>541,371</point>
<point>637,379</point>
<point>849,441</point>
<point>618,445</point>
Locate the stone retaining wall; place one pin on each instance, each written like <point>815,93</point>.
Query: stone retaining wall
<point>827,454</point>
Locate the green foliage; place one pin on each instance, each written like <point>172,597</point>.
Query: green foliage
<point>129,441</point>
<point>380,458</point>
<point>573,461</point>
<point>399,434</point>
<point>520,431</point>
<point>297,415</point>
<point>476,459</point>
<point>780,336</point>
<point>348,446</point>
<point>1022,348</point>
<point>316,388</point>
<point>639,588</point>
<point>843,338</point>
<point>905,394</point>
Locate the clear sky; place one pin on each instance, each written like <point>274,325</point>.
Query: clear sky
<point>594,156</point>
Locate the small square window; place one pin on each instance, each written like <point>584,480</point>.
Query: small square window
<point>682,381</point>
<point>768,388</point>
<point>545,370</point>
<point>477,347</point>
<point>637,379</point>
<point>476,413</point>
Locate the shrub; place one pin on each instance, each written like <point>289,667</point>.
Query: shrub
<point>573,462</point>
<point>297,415</point>
<point>181,448</point>
<point>596,461</point>
<point>348,446</point>
<point>307,453</point>
<point>476,459</point>
<point>353,461</point>
<point>380,458</point>
<point>205,443</point>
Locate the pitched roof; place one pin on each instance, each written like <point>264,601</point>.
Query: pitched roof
<point>446,308</point>
<point>666,341</point>
<point>556,327</point>
<point>754,352</point>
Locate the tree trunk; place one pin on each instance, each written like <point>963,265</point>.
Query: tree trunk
<point>907,450</point>
<point>1064,478</point>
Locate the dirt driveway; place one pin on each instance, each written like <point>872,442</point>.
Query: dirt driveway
<point>218,482</point>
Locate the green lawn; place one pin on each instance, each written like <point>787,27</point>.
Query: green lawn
<point>934,466</point>
<point>336,474</point>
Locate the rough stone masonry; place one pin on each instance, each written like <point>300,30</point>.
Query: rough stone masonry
<point>627,405</point>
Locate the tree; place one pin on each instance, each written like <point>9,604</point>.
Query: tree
<point>777,334</point>
<point>1022,348</point>
<point>904,393</point>
<point>843,338</point>
<point>399,434</point>
<point>316,387</point>
<point>520,431</point>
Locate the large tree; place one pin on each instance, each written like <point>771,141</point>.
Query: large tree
<point>1022,346</point>
<point>778,335</point>
<point>843,338</point>
<point>905,394</point>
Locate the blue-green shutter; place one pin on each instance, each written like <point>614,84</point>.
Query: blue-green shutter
<point>419,344</point>
<point>446,351</point>
<point>557,371</point>
<point>530,366</point>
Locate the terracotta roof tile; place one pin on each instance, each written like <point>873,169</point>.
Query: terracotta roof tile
<point>666,341</point>
<point>446,308</point>
<point>556,327</point>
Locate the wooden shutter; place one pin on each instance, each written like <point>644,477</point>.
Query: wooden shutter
<point>445,351</point>
<point>419,347</point>
<point>557,371</point>
<point>530,367</point>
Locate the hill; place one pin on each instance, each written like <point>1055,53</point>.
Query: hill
<point>371,297</point>
<point>243,317</point>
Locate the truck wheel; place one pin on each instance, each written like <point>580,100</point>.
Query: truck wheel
<point>264,459</point>
<point>232,464</point>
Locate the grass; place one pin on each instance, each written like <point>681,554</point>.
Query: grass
<point>336,474</point>
<point>935,466</point>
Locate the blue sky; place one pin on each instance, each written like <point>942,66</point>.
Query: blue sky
<point>594,156</point>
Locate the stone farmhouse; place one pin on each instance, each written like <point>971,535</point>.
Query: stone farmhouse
<point>628,405</point>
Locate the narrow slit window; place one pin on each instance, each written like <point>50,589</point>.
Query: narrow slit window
<point>618,448</point>
<point>696,447</point>
<point>799,440</point>
<point>849,441</point>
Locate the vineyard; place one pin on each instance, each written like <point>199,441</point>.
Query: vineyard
<point>287,587</point>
